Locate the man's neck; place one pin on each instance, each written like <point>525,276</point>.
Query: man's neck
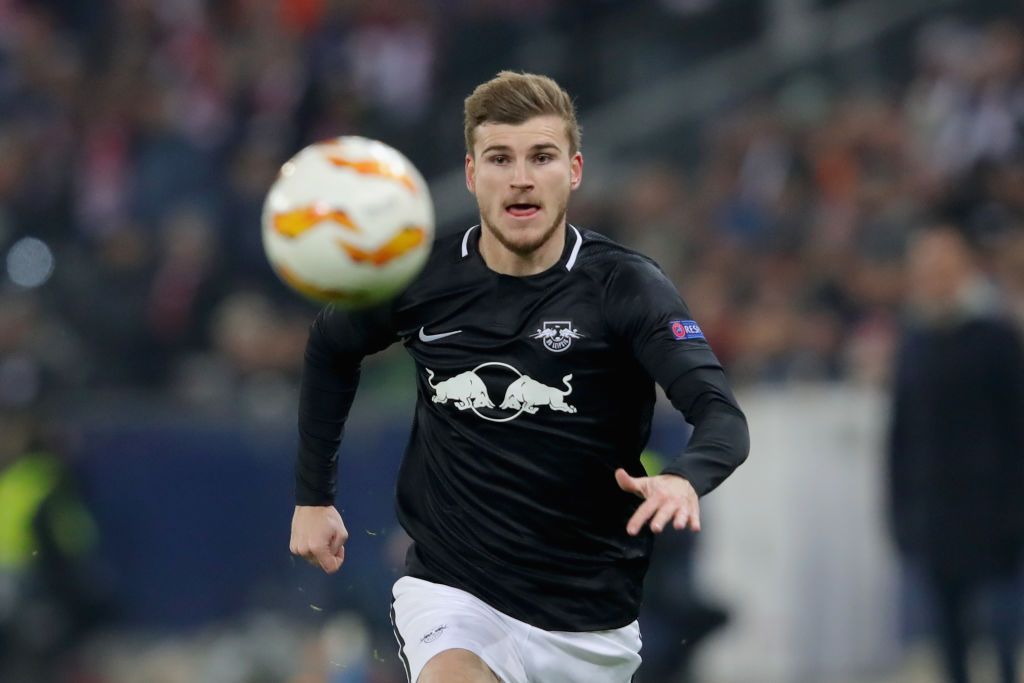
<point>501,259</point>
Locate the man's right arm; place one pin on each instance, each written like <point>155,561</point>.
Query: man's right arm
<point>338,341</point>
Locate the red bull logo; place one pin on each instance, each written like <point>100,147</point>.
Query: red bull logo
<point>467,391</point>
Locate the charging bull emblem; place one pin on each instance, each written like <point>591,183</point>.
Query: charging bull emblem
<point>528,394</point>
<point>466,389</point>
<point>524,394</point>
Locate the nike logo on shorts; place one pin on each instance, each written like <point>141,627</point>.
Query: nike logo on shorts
<point>434,337</point>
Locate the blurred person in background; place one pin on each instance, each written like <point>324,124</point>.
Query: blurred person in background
<point>532,522</point>
<point>957,449</point>
<point>52,594</point>
<point>1009,264</point>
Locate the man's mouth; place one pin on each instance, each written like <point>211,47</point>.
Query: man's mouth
<point>522,210</point>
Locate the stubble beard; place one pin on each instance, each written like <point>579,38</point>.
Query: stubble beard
<point>524,248</point>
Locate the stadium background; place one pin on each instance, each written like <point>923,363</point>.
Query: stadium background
<point>773,155</point>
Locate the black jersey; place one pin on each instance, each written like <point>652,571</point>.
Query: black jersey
<point>531,392</point>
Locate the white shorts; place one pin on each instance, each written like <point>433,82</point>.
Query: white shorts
<point>430,618</point>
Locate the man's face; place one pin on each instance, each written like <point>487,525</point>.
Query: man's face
<point>522,175</point>
<point>939,266</point>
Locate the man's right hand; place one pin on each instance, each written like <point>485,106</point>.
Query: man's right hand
<point>319,536</point>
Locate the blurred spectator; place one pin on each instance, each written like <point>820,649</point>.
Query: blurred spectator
<point>106,291</point>
<point>185,286</point>
<point>1010,270</point>
<point>54,594</point>
<point>655,217</point>
<point>253,371</point>
<point>957,449</point>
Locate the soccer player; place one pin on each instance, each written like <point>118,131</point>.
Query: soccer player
<point>537,345</point>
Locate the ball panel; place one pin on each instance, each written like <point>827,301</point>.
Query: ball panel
<point>401,243</point>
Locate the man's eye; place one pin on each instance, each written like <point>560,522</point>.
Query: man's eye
<point>543,158</point>
<point>499,159</point>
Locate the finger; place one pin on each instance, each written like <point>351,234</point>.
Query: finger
<point>663,516</point>
<point>640,517</point>
<point>681,518</point>
<point>304,550</point>
<point>688,516</point>
<point>627,483</point>
<point>334,562</point>
<point>328,562</point>
<point>336,543</point>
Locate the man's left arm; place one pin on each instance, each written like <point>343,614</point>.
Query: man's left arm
<point>645,308</point>
<point>719,444</point>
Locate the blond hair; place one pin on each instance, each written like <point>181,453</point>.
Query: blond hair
<point>514,98</point>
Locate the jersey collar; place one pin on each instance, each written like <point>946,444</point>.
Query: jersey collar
<point>572,235</point>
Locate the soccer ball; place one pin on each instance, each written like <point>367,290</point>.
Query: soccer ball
<point>348,220</point>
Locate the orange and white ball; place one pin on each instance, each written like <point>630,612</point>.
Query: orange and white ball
<point>348,220</point>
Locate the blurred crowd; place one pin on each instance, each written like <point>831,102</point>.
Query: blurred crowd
<point>788,235</point>
<point>137,140</point>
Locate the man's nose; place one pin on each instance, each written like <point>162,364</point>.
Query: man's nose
<point>521,178</point>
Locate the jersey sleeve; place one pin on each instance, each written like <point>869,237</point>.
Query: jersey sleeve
<point>338,341</point>
<point>720,441</point>
<point>644,310</point>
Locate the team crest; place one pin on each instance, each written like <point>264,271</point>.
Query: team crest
<point>557,335</point>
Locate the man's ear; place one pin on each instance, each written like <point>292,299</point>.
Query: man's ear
<point>470,173</point>
<point>576,170</point>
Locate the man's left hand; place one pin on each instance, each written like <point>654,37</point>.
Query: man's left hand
<point>667,498</point>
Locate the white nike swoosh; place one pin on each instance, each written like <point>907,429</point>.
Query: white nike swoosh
<point>434,337</point>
